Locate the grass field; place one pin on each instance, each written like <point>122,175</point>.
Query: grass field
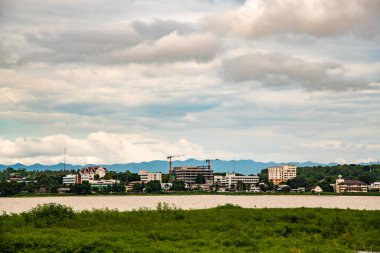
<point>55,228</point>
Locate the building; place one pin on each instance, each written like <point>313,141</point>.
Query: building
<point>342,185</point>
<point>231,179</point>
<point>283,173</point>
<point>129,186</point>
<point>103,183</point>
<point>317,189</point>
<point>375,186</point>
<point>74,179</point>
<point>92,171</point>
<point>188,174</point>
<point>149,176</point>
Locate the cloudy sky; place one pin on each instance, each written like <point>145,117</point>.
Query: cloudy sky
<point>127,81</point>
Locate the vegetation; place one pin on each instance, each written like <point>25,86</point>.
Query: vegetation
<point>309,177</point>
<point>229,228</point>
<point>48,182</point>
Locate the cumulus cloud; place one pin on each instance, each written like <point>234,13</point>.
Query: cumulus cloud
<point>282,70</point>
<point>97,147</point>
<point>258,18</point>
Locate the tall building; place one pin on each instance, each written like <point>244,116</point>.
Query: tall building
<point>282,173</point>
<point>149,176</point>
<point>188,174</point>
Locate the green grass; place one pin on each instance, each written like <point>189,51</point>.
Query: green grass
<point>224,229</point>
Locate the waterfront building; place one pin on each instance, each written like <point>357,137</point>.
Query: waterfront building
<point>92,171</point>
<point>149,176</point>
<point>74,179</point>
<point>103,183</point>
<point>129,186</point>
<point>342,185</point>
<point>375,186</point>
<point>282,173</point>
<point>231,179</point>
<point>188,174</point>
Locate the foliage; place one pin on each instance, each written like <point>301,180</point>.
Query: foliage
<point>178,185</point>
<point>48,214</point>
<point>153,186</point>
<point>226,228</point>
<point>138,187</point>
<point>200,179</point>
<point>84,188</point>
<point>325,175</point>
<point>296,182</point>
<point>9,188</point>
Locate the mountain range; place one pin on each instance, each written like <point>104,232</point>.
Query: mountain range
<point>238,166</point>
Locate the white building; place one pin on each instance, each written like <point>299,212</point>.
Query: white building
<point>74,179</point>
<point>283,173</point>
<point>375,186</point>
<point>342,185</point>
<point>92,171</point>
<point>149,176</point>
<point>232,179</point>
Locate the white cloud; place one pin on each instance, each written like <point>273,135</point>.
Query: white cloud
<point>257,18</point>
<point>97,147</point>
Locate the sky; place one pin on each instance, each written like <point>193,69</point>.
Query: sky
<point>128,81</point>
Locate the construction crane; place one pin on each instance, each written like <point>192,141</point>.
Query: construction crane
<point>208,161</point>
<point>170,165</point>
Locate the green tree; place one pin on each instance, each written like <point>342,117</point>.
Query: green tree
<point>200,179</point>
<point>297,182</point>
<point>178,185</point>
<point>133,177</point>
<point>84,188</point>
<point>138,187</point>
<point>118,187</point>
<point>153,186</point>
<point>9,188</point>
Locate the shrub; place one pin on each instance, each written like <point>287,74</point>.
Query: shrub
<point>48,214</point>
<point>228,206</point>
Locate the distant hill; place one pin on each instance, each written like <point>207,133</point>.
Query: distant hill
<point>238,166</point>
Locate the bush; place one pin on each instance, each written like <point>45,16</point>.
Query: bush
<point>48,214</point>
<point>228,206</point>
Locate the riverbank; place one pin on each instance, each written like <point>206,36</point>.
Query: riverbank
<point>128,203</point>
<point>222,229</point>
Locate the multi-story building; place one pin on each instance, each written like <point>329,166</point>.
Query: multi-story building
<point>92,171</point>
<point>342,185</point>
<point>149,176</point>
<point>74,179</point>
<point>129,186</point>
<point>375,186</point>
<point>188,174</point>
<point>283,173</point>
<point>231,179</point>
